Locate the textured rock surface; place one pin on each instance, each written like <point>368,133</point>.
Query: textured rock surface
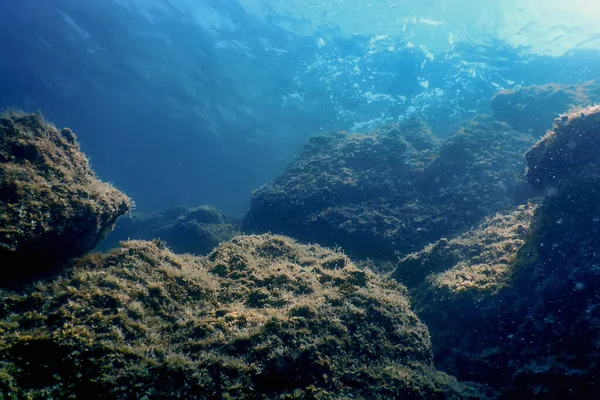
<point>259,317</point>
<point>395,189</point>
<point>479,260</point>
<point>459,288</point>
<point>533,108</point>
<point>185,230</point>
<point>477,173</point>
<point>516,302</point>
<point>567,154</point>
<point>52,206</point>
<point>560,287</point>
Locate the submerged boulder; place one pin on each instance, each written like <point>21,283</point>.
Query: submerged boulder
<point>532,109</point>
<point>561,312</point>
<point>52,205</point>
<point>515,304</point>
<point>195,230</point>
<point>348,190</point>
<point>395,189</point>
<point>259,317</point>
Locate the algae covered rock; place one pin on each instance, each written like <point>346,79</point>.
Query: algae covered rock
<point>195,230</point>
<point>259,317</point>
<point>459,288</point>
<point>515,303</point>
<point>567,154</point>
<point>533,108</point>
<point>478,260</point>
<point>477,173</point>
<point>561,311</point>
<point>393,190</point>
<point>344,190</point>
<point>554,350</point>
<point>52,205</point>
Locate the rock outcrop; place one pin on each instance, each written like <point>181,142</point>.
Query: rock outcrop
<point>259,317</point>
<point>515,304</point>
<point>532,109</point>
<point>52,205</point>
<point>393,190</point>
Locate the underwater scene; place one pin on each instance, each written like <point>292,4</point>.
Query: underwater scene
<point>297,199</point>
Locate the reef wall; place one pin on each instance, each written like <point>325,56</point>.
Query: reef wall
<point>258,317</point>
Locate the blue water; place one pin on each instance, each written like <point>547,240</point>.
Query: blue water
<point>200,102</point>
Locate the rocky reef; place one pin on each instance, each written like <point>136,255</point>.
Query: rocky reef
<point>52,205</point>
<point>561,310</point>
<point>195,230</point>
<point>506,284</point>
<point>532,109</point>
<point>393,190</point>
<point>478,261</point>
<point>259,317</point>
<point>514,303</point>
<point>460,286</point>
<point>568,154</point>
<point>477,172</point>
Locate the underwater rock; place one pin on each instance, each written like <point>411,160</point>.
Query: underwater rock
<point>532,109</point>
<point>184,230</point>
<point>477,173</point>
<point>568,153</point>
<point>554,350</point>
<point>519,309</point>
<point>259,317</point>
<point>339,190</point>
<point>459,287</point>
<point>561,311</point>
<point>52,205</point>
<point>393,190</point>
<point>478,261</point>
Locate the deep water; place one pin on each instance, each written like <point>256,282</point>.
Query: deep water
<point>181,102</point>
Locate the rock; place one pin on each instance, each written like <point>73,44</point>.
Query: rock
<point>476,262</point>
<point>567,154</point>
<point>515,304</point>
<point>52,205</point>
<point>533,108</point>
<point>558,355</point>
<point>459,287</point>
<point>185,230</point>
<point>338,192</point>
<point>393,190</point>
<point>477,173</point>
<point>259,317</point>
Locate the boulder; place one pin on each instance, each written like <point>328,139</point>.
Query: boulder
<point>195,230</point>
<point>259,317</point>
<point>515,303</point>
<point>52,205</point>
